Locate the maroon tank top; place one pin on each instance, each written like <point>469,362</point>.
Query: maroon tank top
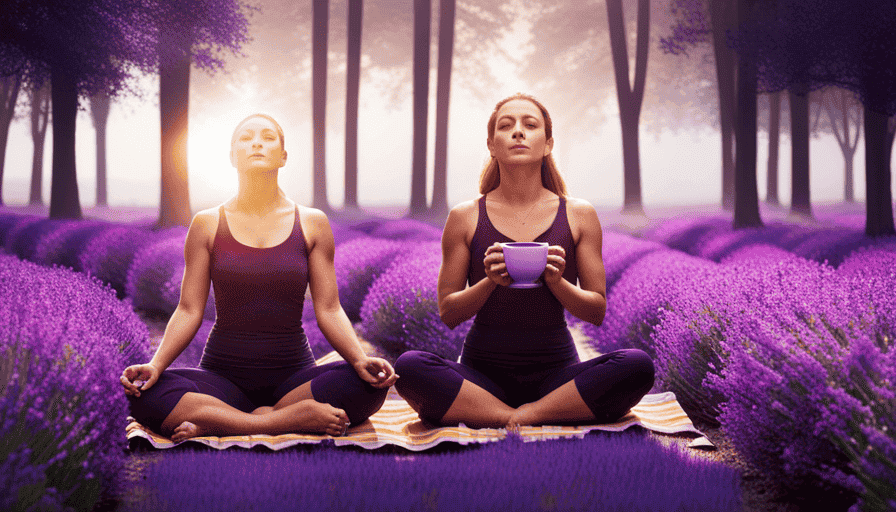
<point>259,291</point>
<point>520,307</point>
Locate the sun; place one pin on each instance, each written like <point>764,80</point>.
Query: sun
<point>212,178</point>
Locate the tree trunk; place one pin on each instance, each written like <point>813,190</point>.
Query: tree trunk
<point>746,196</point>
<point>774,144</point>
<point>320,21</point>
<point>174,110</point>
<point>722,18</point>
<point>99,108</point>
<point>422,20</point>
<point>352,93</point>
<point>9,94</point>
<point>64,200</point>
<point>878,195</point>
<point>800,198</point>
<point>40,120</point>
<point>629,97</point>
<point>439,205</point>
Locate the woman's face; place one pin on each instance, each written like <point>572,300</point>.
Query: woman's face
<point>257,145</point>
<point>519,136</point>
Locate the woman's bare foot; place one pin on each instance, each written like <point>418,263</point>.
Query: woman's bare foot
<point>313,416</point>
<point>184,431</point>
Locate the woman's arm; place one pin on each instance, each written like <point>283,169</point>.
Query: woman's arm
<point>187,317</point>
<point>331,318</point>
<point>588,300</point>
<point>457,302</point>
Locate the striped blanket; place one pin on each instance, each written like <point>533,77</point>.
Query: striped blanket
<point>396,423</point>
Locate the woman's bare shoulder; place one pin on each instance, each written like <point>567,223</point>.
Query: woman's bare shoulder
<point>205,225</point>
<point>582,217</point>
<point>463,217</point>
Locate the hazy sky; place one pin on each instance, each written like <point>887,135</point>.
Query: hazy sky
<point>681,168</point>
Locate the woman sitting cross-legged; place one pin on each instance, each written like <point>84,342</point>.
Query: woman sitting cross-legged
<point>519,365</point>
<point>257,375</point>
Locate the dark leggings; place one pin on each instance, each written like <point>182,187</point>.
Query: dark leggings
<point>335,383</point>
<point>610,384</point>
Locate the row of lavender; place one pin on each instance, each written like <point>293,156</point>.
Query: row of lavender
<point>794,358</point>
<point>64,339</point>
<point>711,236</point>
<point>736,341</point>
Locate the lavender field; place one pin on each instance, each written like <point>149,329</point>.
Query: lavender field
<point>780,337</point>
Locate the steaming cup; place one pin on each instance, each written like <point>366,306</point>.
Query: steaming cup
<point>525,262</point>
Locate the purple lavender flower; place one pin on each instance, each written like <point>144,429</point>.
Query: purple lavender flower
<point>407,229</point>
<point>64,341</point>
<point>401,310</point>
<point>156,273</point>
<point>10,226</point>
<point>521,476</point>
<point>63,245</point>
<point>621,251</point>
<point>358,263</point>
<point>109,254</point>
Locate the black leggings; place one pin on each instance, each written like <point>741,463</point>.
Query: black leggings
<point>335,383</point>
<point>610,384</point>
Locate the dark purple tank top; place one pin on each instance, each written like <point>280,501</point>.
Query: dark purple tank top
<point>259,295</point>
<point>521,308</point>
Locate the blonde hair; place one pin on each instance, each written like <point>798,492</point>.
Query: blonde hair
<point>550,175</point>
<point>264,116</point>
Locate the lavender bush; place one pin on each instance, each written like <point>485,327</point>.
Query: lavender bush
<point>506,475</point>
<point>621,251</point>
<point>401,310</point>
<point>109,254</point>
<point>407,229</point>
<point>23,240</point>
<point>62,245</point>
<point>156,273</point>
<point>10,226</point>
<point>651,284</point>
<point>63,343</point>
<point>358,263</point>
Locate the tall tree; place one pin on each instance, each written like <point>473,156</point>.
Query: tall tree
<point>319,36</point>
<point>774,138</point>
<point>422,20</point>
<point>746,195</point>
<point>844,116</point>
<point>82,46</point>
<point>800,197</point>
<point>439,206</point>
<point>353,84</point>
<point>40,120</point>
<point>702,21</point>
<point>9,95</point>
<point>99,112</point>
<point>629,95</point>
<point>189,32</point>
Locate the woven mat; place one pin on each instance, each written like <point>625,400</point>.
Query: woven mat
<point>396,423</point>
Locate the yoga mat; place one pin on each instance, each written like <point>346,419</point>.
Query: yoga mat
<point>396,423</point>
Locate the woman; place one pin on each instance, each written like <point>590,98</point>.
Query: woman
<point>519,364</point>
<point>257,374</point>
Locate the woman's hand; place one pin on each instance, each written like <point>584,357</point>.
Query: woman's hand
<point>495,268</point>
<point>376,371</point>
<point>556,264</point>
<point>146,374</point>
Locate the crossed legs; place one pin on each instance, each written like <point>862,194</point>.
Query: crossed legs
<point>602,389</point>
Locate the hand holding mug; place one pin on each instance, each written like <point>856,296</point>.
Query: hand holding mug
<point>495,267</point>
<point>556,264</point>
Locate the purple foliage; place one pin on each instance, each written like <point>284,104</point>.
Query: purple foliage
<point>621,471</point>
<point>62,245</point>
<point>759,253</point>
<point>634,306</point>
<point>794,377</point>
<point>620,251</point>
<point>407,229</point>
<point>358,263</point>
<point>109,254</point>
<point>64,340</point>
<point>343,234</point>
<point>401,310</point>
<point>156,273</point>
<point>683,233</point>
<point>22,240</point>
<point>11,222</point>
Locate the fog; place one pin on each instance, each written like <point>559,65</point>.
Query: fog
<point>680,159</point>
